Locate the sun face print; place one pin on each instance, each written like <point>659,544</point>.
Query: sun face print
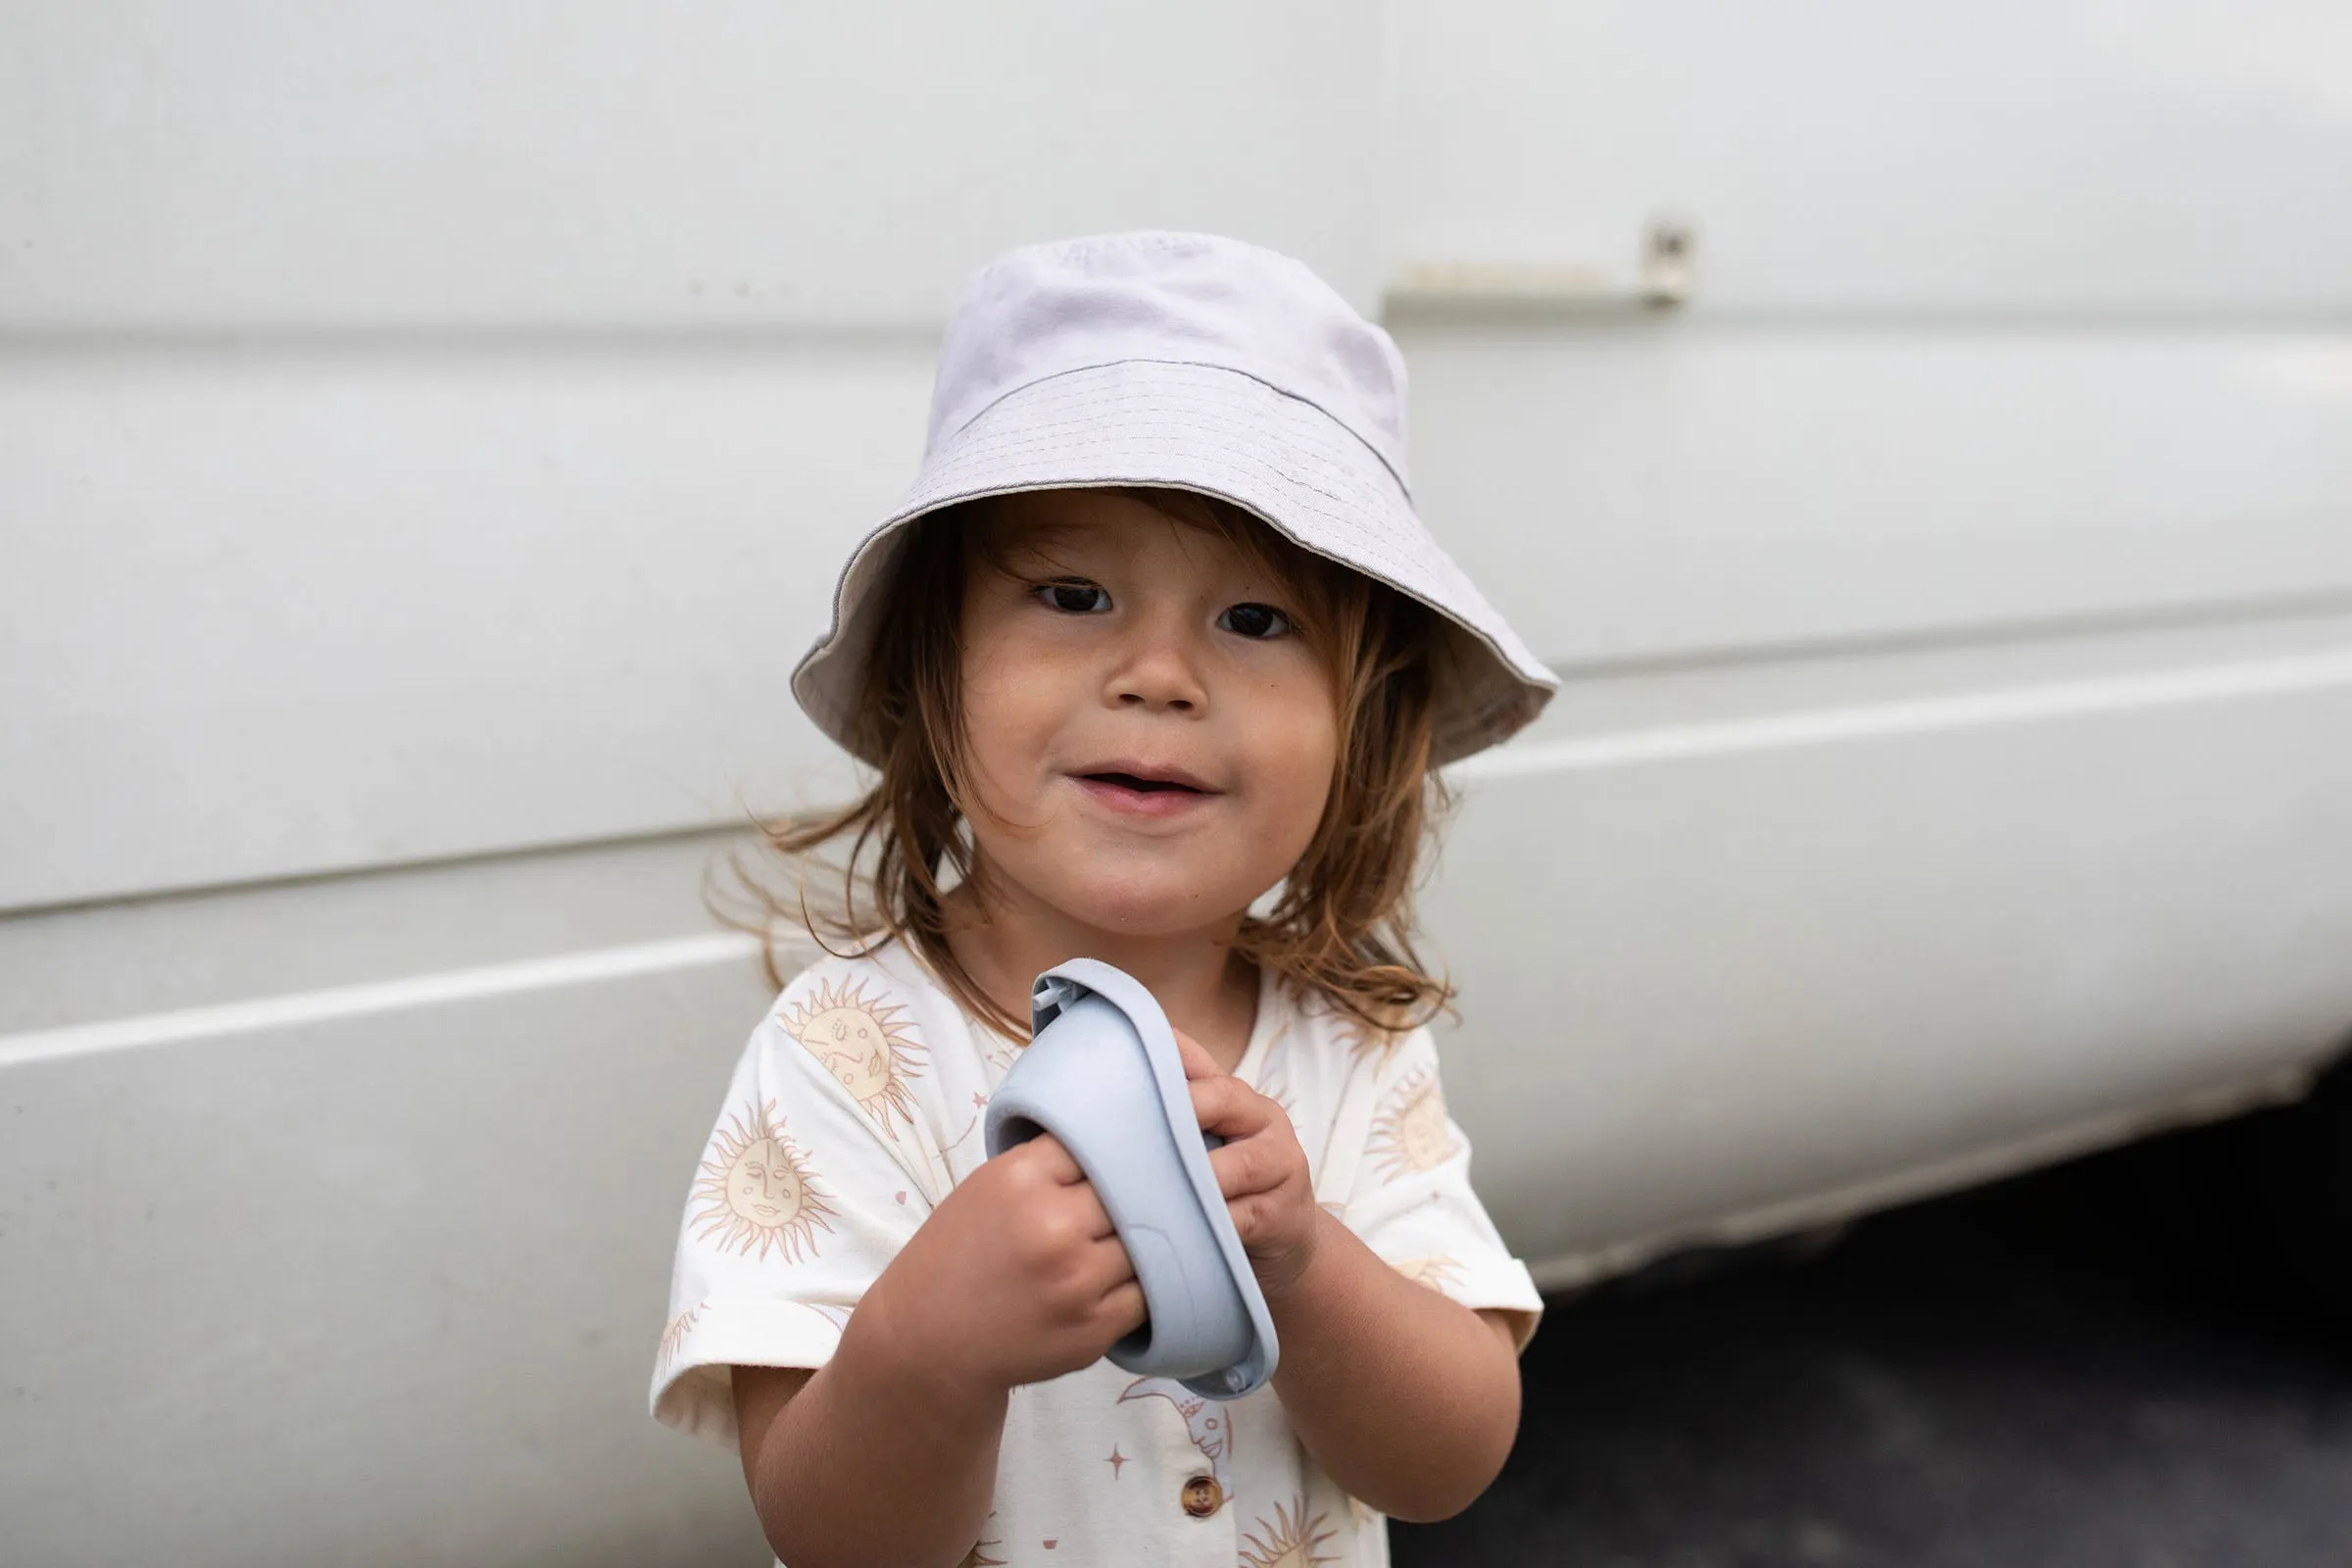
<point>1439,1274</point>
<point>1412,1135</point>
<point>1289,1540</point>
<point>865,1045</point>
<point>757,1190</point>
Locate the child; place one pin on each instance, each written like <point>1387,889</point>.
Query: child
<point>1156,663</point>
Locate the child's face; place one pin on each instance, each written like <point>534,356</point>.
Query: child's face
<point>1116,641</point>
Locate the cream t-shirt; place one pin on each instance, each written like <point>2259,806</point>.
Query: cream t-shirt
<point>857,1105</point>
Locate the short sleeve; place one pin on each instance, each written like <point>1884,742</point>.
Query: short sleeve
<point>798,1205</point>
<point>1411,1200</point>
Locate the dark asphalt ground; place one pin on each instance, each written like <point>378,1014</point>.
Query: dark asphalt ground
<point>2101,1364</point>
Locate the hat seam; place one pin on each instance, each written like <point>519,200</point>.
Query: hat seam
<point>1352,441</point>
<point>1201,365</point>
<point>1032,438</point>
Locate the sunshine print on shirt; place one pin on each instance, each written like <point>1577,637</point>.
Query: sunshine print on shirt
<point>757,1190</point>
<point>1288,1539</point>
<point>865,1046</point>
<point>1412,1137</point>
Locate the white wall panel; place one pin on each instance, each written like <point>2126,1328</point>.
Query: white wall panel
<point>253,163</point>
<point>1845,155</point>
<point>380,1289</point>
<point>1679,488</point>
<point>286,611</point>
<point>1747,964</point>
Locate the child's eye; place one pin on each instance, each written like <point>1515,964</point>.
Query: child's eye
<point>1074,598</point>
<point>1259,622</point>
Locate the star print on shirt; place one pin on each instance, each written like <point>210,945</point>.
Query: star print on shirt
<point>1115,1461</point>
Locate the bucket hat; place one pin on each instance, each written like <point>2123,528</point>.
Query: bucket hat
<point>1184,362</point>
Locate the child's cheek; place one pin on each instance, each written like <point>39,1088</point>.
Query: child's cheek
<point>1298,762</point>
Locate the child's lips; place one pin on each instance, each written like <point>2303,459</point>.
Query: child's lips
<point>1132,801</point>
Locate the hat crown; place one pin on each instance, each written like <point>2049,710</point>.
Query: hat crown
<point>1194,299</point>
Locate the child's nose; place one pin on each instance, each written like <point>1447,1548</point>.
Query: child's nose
<point>1161,671</point>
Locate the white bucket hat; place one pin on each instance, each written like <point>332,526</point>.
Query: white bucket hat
<point>1191,362</point>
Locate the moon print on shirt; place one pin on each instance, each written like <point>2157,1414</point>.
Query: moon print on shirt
<point>865,1045</point>
<point>1205,1422</point>
<point>756,1189</point>
<point>1412,1135</point>
<point>1288,1539</point>
<point>980,1556</point>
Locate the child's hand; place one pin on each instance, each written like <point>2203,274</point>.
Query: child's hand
<point>1261,1170</point>
<point>1016,1277</point>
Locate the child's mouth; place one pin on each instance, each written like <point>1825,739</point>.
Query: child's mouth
<point>1141,797</point>
<point>1128,781</point>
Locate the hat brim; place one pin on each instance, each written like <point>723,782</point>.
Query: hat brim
<point>1221,433</point>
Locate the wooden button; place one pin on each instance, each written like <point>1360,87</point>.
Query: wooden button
<point>1202,1497</point>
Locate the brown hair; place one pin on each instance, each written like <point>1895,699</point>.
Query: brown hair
<point>1342,925</point>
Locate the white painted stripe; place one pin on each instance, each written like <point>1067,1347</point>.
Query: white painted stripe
<point>1872,721</point>
<point>381,996</point>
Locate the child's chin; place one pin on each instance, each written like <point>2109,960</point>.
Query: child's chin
<point>1151,911</point>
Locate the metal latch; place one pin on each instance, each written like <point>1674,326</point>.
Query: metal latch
<point>1662,279</point>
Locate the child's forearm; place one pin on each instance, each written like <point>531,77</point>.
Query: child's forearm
<point>1407,1399</point>
<point>877,1461</point>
